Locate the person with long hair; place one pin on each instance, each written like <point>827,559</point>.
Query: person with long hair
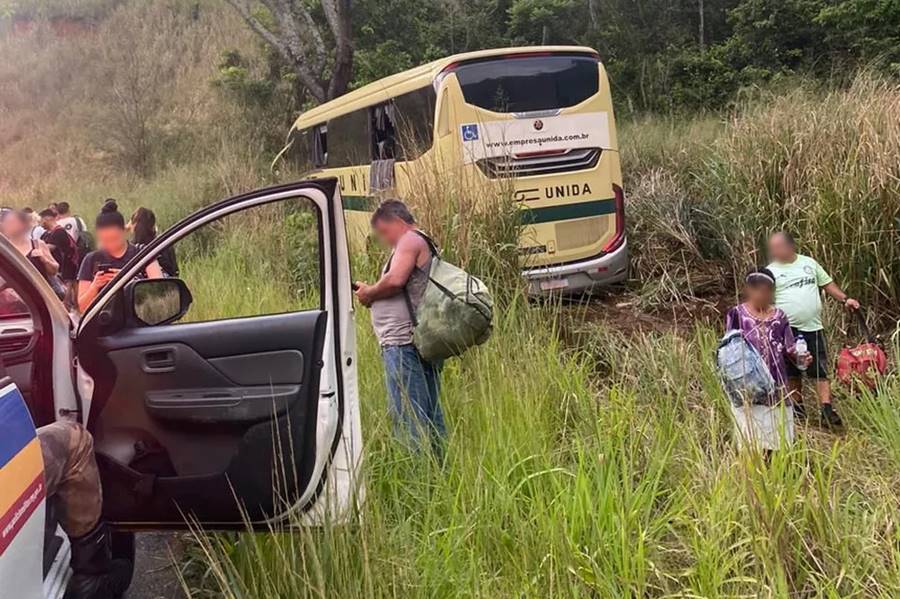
<point>113,252</point>
<point>143,231</point>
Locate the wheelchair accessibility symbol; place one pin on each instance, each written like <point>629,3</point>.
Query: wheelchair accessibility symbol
<point>469,132</point>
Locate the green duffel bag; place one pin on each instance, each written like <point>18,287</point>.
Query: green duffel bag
<point>456,311</point>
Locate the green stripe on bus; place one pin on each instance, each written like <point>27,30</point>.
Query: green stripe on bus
<point>535,216</point>
<point>359,203</point>
<point>530,216</point>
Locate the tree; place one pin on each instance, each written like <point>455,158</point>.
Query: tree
<point>320,54</point>
<point>547,21</point>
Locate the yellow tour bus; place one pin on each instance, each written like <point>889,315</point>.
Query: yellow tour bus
<point>537,119</point>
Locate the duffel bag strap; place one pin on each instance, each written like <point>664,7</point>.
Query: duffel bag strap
<point>431,244</point>
<point>862,326</point>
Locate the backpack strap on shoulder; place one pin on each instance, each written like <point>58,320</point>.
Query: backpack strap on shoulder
<point>406,298</point>
<point>431,244</point>
<point>436,253</point>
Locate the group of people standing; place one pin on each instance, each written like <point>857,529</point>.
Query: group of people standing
<point>61,248</point>
<point>781,316</point>
<point>78,262</point>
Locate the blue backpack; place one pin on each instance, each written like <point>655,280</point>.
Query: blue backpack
<point>744,375</point>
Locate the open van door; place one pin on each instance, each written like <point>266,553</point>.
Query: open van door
<point>228,394</point>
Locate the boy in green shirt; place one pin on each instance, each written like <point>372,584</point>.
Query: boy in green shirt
<point>799,281</point>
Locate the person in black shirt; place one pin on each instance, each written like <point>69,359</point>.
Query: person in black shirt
<point>113,253</point>
<point>143,231</point>
<point>61,246</point>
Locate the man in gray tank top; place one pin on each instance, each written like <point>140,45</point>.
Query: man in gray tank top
<point>413,384</point>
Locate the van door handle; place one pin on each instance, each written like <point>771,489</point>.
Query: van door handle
<point>158,361</point>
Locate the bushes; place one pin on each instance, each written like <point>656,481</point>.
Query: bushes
<point>823,165</point>
<point>826,167</point>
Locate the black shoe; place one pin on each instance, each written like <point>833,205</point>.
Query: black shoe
<point>800,411</point>
<point>830,418</point>
<point>95,574</point>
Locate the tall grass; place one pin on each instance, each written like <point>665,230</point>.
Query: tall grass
<point>825,166</point>
<point>602,466</point>
<point>604,471</point>
<point>477,223</point>
<point>598,466</point>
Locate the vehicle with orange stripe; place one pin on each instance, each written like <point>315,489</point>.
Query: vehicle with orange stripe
<point>230,422</point>
<point>22,499</point>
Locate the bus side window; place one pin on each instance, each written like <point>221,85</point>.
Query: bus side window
<point>415,122</point>
<point>348,139</point>
<point>299,153</point>
<point>320,145</point>
<point>384,135</point>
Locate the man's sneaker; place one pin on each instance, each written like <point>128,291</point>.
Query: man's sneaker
<point>830,418</point>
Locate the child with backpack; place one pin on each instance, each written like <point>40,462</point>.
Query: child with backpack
<point>766,420</point>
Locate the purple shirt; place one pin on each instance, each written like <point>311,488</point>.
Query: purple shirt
<point>771,336</point>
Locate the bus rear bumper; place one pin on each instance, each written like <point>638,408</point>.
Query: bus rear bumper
<point>579,277</point>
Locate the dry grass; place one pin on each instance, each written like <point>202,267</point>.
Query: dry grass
<point>127,96</point>
<point>824,166</point>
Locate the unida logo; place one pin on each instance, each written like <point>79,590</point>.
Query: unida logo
<point>538,125</point>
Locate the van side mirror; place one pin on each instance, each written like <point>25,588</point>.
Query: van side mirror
<point>159,301</point>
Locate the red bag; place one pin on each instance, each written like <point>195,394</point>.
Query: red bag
<point>864,363</point>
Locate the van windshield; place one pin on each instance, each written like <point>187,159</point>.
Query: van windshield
<point>529,83</point>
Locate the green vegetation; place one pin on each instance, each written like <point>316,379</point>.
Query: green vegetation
<point>586,459</point>
<point>662,55</point>
<point>705,192</point>
<point>582,461</point>
<point>603,468</point>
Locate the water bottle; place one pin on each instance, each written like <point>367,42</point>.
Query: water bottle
<point>802,349</point>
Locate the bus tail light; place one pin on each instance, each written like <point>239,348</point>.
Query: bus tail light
<point>619,238</point>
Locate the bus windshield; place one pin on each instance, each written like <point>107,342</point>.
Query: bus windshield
<point>529,83</point>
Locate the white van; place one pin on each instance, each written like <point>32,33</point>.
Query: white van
<point>257,417</point>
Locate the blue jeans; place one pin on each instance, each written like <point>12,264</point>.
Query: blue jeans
<point>414,387</point>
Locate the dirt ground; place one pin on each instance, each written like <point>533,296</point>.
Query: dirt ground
<point>155,576</point>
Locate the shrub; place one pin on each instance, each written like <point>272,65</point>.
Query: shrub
<point>824,165</point>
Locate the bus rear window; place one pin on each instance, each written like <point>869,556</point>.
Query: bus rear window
<point>529,83</point>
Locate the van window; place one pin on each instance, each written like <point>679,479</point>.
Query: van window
<point>271,249</point>
<point>12,306</point>
<point>529,83</point>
